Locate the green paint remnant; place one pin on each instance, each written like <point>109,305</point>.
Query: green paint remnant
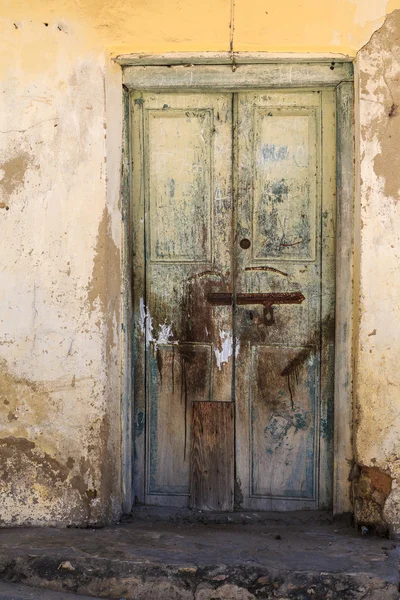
<point>275,192</point>
<point>299,421</point>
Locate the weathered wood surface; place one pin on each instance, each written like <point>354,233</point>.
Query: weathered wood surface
<point>345,299</point>
<point>190,246</point>
<point>212,456</point>
<point>224,58</point>
<point>285,201</point>
<point>328,297</point>
<point>138,291</point>
<point>126,358</point>
<point>244,77</point>
<point>183,242</point>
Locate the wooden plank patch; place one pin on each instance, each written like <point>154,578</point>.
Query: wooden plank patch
<point>212,456</point>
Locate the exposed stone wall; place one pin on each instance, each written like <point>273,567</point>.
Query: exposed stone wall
<point>371,488</point>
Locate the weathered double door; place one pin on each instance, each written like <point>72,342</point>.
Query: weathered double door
<point>233,223</point>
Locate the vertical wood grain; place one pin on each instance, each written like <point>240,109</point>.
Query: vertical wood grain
<point>126,351</point>
<point>285,207</point>
<point>328,225</point>
<point>181,190</point>
<point>345,299</point>
<point>212,456</point>
<point>138,291</point>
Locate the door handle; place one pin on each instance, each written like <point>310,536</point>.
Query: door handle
<point>268,300</point>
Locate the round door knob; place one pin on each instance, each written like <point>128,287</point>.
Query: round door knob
<point>245,243</point>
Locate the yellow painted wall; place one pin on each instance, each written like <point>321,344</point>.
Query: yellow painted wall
<point>340,26</point>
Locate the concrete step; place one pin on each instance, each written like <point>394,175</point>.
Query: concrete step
<point>142,560</point>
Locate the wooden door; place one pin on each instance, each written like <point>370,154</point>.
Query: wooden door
<point>234,224</point>
<point>182,165</point>
<point>285,248</point>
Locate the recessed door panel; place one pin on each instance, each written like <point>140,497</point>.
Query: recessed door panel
<point>182,374</point>
<point>179,150</point>
<point>283,422</point>
<point>285,165</point>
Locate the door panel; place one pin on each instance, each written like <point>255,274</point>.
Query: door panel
<point>212,456</point>
<point>283,423</point>
<point>179,153</point>
<point>285,182</point>
<point>169,418</point>
<point>281,418</point>
<point>183,234</point>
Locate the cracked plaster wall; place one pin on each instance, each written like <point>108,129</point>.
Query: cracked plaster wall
<point>377,376</point>
<point>60,279</point>
<point>60,228</point>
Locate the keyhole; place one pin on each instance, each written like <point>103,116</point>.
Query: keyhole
<point>250,315</point>
<point>245,243</point>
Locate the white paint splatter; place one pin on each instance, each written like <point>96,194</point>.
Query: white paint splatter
<point>142,315</point>
<point>237,348</point>
<point>149,328</point>
<point>146,326</point>
<point>225,353</point>
<point>165,334</point>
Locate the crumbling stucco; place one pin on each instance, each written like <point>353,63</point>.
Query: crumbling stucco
<point>45,477</point>
<point>371,488</point>
<point>12,173</point>
<point>377,376</point>
<point>105,283</point>
<point>59,346</point>
<point>36,478</point>
<point>384,127</point>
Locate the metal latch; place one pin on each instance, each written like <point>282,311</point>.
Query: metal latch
<point>268,300</point>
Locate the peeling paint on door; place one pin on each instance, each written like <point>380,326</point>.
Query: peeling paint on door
<point>263,326</point>
<point>286,172</point>
<point>182,253</point>
<point>226,344</point>
<point>146,327</point>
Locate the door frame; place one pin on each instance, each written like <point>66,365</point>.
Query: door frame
<point>227,71</point>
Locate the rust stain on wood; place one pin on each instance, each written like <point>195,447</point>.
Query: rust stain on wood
<point>272,269</point>
<point>267,299</point>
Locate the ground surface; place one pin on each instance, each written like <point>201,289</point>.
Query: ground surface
<point>16,591</point>
<point>241,556</point>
